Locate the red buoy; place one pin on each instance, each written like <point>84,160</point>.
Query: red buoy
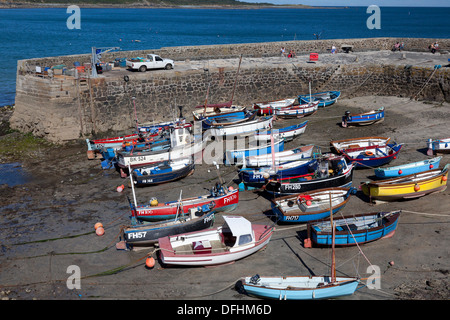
<point>150,262</point>
<point>416,187</point>
<point>400,171</point>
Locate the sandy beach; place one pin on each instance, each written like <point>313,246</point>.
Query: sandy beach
<point>68,194</point>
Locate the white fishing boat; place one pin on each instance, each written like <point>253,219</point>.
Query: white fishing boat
<point>249,127</point>
<point>235,239</point>
<point>280,157</point>
<point>355,143</point>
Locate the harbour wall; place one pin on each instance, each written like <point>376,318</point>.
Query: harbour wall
<point>64,108</point>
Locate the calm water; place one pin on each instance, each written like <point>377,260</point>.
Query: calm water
<point>32,33</point>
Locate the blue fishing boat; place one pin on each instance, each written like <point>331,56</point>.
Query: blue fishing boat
<point>236,156</point>
<point>256,177</point>
<point>309,206</point>
<point>299,287</point>
<point>363,119</point>
<point>325,98</point>
<point>303,287</point>
<point>225,120</point>
<point>163,172</point>
<point>372,156</point>
<point>357,229</point>
<point>286,133</point>
<point>408,168</point>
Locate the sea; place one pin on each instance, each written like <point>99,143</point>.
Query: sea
<point>44,32</point>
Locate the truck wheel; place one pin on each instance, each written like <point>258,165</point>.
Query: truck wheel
<point>169,66</point>
<point>142,68</point>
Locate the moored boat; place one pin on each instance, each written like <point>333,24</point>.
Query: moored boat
<point>236,239</point>
<point>224,199</point>
<point>332,171</point>
<point>407,187</point>
<point>162,172</point>
<point>374,156</point>
<point>286,133</point>
<point>363,119</point>
<point>356,229</point>
<point>312,205</point>
<point>297,111</point>
<point>408,168</point>
<point>197,218</point>
<point>236,156</point>
<point>438,146</point>
<point>325,98</point>
<point>256,177</point>
<point>246,128</point>
<point>268,107</point>
<point>280,157</point>
<point>339,145</point>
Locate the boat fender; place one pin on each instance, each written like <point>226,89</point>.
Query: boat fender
<point>153,202</point>
<point>369,153</point>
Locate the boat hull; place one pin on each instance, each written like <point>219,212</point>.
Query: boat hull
<point>370,156</point>
<point>346,233</point>
<point>300,288</point>
<point>298,185</point>
<point>407,187</point>
<point>233,157</point>
<point>154,179</point>
<point>150,233</point>
<point>407,169</point>
<point>305,213</point>
<point>326,98</point>
<point>223,203</point>
<point>363,119</point>
<point>170,257</point>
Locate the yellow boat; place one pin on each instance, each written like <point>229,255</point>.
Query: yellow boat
<point>407,187</point>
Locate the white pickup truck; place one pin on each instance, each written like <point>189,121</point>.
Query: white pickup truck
<point>152,61</point>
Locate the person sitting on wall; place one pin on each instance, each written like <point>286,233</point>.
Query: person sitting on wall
<point>401,46</point>
<point>291,54</point>
<point>396,47</point>
<point>432,48</point>
<point>333,49</point>
<point>283,52</point>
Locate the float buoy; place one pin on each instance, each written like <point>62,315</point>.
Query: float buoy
<point>444,178</point>
<point>98,225</point>
<point>150,262</point>
<point>431,166</point>
<point>120,188</point>
<point>308,202</point>
<point>416,187</point>
<point>400,171</point>
<point>100,231</point>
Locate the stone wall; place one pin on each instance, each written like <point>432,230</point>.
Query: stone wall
<point>265,49</point>
<point>64,108</point>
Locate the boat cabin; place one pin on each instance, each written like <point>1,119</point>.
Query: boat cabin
<point>236,231</point>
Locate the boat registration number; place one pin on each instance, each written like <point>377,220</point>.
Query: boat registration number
<point>137,235</point>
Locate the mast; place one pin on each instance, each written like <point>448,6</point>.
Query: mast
<point>206,100</point>
<point>333,260</point>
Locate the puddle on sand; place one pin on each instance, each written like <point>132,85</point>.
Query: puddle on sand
<point>13,174</point>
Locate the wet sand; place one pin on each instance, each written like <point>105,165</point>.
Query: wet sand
<point>69,194</point>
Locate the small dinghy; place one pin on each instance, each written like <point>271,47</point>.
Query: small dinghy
<point>408,168</point>
<point>363,119</point>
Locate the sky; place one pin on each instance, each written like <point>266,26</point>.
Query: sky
<point>363,3</point>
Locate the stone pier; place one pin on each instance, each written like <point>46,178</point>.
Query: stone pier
<point>63,108</point>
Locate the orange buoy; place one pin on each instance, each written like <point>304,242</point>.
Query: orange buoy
<point>120,188</point>
<point>431,166</point>
<point>444,178</point>
<point>391,263</point>
<point>416,187</point>
<point>98,225</point>
<point>100,231</point>
<point>150,262</point>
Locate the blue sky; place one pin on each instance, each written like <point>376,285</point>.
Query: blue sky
<point>363,3</point>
